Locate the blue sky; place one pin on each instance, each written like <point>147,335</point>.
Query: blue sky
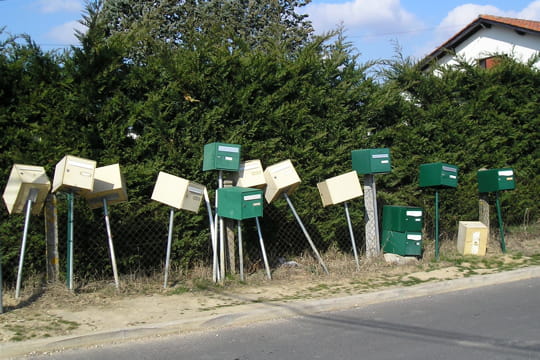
<point>374,27</point>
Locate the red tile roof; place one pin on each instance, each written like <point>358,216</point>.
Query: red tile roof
<point>520,23</point>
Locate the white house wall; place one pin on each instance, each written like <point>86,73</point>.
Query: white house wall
<point>496,40</point>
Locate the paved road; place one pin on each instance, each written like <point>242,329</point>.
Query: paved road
<point>495,322</point>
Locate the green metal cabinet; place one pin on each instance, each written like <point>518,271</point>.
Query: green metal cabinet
<point>402,243</point>
<point>402,218</point>
<point>371,161</point>
<point>240,203</point>
<point>220,156</point>
<point>438,175</point>
<point>495,180</point>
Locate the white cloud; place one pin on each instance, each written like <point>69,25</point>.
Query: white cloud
<point>65,33</point>
<point>370,17</point>
<point>531,12</point>
<point>54,6</point>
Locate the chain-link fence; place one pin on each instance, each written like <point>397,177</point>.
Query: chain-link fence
<point>140,241</point>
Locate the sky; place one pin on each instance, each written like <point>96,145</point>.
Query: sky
<point>376,28</point>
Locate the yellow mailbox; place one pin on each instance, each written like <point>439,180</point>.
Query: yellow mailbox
<point>340,188</point>
<point>250,175</point>
<point>74,173</point>
<point>109,184</point>
<point>280,178</point>
<point>26,182</point>
<point>472,238</point>
<point>177,192</point>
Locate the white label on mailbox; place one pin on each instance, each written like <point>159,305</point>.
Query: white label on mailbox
<point>448,168</point>
<point>84,173</point>
<point>228,158</point>
<point>195,190</point>
<point>414,237</point>
<point>384,161</point>
<point>256,204</point>
<point>506,173</point>
<point>452,176</point>
<point>252,197</point>
<point>248,167</point>
<point>228,149</point>
<point>80,164</point>
<point>29,169</point>
<point>414,213</point>
<point>281,168</point>
<point>475,246</point>
<point>379,156</point>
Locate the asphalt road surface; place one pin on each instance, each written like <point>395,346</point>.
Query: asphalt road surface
<point>495,322</point>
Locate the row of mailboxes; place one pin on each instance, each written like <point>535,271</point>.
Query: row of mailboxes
<point>402,230</point>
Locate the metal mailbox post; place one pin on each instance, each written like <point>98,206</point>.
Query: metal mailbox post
<point>495,180</point>
<point>438,175</point>
<point>341,189</point>
<point>369,162</point>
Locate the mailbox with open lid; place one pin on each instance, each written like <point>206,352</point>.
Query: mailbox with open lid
<point>177,192</point>
<point>26,182</point>
<point>340,188</point>
<point>280,178</point>
<point>240,203</point>
<point>493,180</point>
<point>220,156</point>
<point>74,173</point>
<point>371,161</point>
<point>109,184</point>
<point>438,175</point>
<point>250,175</point>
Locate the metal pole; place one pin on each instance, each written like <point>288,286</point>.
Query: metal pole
<point>111,245</point>
<point>305,232</point>
<point>501,226</point>
<point>261,241</point>
<point>23,247</point>
<point>69,262</point>
<point>169,243</point>
<point>437,225</point>
<point>352,236</point>
<point>221,235</point>
<point>215,270</point>
<point>240,251</point>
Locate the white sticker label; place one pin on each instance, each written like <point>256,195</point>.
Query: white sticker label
<point>249,167</point>
<point>379,156</point>
<point>80,164</point>
<point>228,158</point>
<point>475,247</point>
<point>230,149</point>
<point>415,213</point>
<point>195,190</point>
<point>452,177</point>
<point>252,197</point>
<point>384,161</point>
<point>448,168</point>
<point>84,173</point>
<point>414,237</point>
<point>281,168</point>
<point>506,173</point>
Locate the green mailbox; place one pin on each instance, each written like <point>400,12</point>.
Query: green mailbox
<point>438,175</point>
<point>220,156</point>
<point>402,218</point>
<point>493,180</point>
<point>240,203</point>
<point>402,243</point>
<point>371,161</point>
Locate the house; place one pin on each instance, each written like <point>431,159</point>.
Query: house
<point>486,38</point>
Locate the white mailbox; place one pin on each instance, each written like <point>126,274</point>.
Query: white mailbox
<point>177,192</point>
<point>74,173</point>
<point>26,182</point>
<point>280,178</point>
<point>109,184</point>
<point>250,175</point>
<point>340,188</point>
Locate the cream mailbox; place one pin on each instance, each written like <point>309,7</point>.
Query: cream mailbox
<point>109,184</point>
<point>250,175</point>
<point>340,188</point>
<point>472,238</point>
<point>74,173</point>
<point>177,192</point>
<point>280,178</point>
<point>26,182</point>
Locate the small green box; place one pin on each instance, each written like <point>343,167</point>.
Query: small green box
<point>220,156</point>
<point>371,161</point>
<point>495,180</point>
<point>438,175</point>
<point>240,203</point>
<point>402,218</point>
<point>402,243</point>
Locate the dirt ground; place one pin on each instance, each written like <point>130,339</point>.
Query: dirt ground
<point>51,310</point>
